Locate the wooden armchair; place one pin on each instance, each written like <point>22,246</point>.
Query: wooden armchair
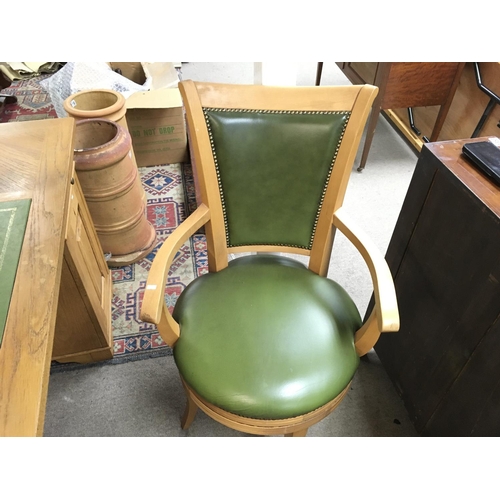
<point>264,344</point>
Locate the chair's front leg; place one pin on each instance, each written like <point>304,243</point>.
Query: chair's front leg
<point>299,433</point>
<point>168,328</point>
<point>189,412</point>
<point>366,337</point>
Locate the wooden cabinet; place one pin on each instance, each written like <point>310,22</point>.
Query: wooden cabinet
<point>456,119</point>
<point>444,256</point>
<point>60,306</point>
<point>83,324</point>
<point>406,85</point>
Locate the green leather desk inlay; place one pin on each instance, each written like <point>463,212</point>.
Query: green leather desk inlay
<point>13,220</point>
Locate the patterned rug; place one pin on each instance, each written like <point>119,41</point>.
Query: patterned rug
<point>170,199</point>
<point>33,102</point>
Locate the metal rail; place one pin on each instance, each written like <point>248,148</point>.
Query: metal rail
<point>494,100</point>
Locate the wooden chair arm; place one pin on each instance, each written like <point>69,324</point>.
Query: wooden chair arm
<point>385,316</point>
<point>154,309</point>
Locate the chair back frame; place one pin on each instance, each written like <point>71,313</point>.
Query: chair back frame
<point>354,99</point>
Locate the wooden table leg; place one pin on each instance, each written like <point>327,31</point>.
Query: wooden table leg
<point>370,131</point>
<point>319,70</point>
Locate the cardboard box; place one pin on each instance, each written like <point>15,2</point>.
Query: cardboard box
<point>131,70</point>
<point>155,117</point>
<point>161,74</point>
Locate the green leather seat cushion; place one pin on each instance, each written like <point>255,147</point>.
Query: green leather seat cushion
<point>266,338</point>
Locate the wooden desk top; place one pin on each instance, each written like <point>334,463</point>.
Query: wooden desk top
<point>35,162</point>
<point>450,154</point>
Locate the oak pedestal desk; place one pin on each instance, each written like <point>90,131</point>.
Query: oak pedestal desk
<point>444,255</point>
<point>60,307</point>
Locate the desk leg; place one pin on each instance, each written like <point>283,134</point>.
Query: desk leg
<point>443,110</point>
<point>438,125</point>
<point>370,131</point>
<point>319,70</point>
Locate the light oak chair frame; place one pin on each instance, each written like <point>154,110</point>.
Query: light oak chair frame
<point>384,318</point>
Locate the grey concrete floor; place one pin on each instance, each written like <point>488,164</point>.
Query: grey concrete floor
<point>145,398</point>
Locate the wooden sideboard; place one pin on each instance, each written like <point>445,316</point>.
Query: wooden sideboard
<point>60,307</point>
<point>403,84</point>
<point>462,117</point>
<point>444,256</point>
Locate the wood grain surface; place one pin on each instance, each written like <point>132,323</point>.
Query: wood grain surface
<point>465,110</point>
<point>35,163</point>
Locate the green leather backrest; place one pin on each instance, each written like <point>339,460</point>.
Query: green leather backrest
<point>273,168</point>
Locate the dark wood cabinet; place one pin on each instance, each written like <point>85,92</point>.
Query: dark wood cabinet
<point>445,258</point>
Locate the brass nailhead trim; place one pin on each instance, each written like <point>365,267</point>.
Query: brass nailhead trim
<point>219,182</point>
<point>268,245</point>
<point>276,111</point>
<point>272,111</point>
<point>325,187</point>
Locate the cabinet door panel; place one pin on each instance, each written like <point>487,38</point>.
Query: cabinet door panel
<point>444,256</point>
<point>91,268</point>
<point>86,288</point>
<point>75,329</point>
<point>471,403</point>
<point>447,301</point>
